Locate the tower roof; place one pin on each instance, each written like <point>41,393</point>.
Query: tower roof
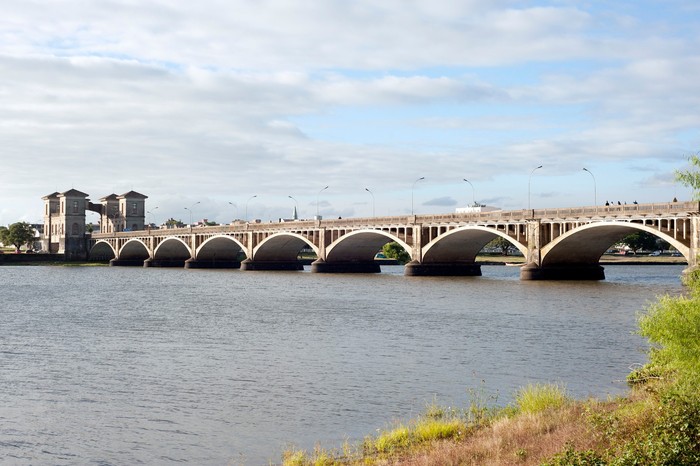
<point>51,196</point>
<point>109,197</point>
<point>132,195</point>
<point>73,193</point>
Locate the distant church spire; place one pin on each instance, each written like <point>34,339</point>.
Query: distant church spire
<point>295,216</point>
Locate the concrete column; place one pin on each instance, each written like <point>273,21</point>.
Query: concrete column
<point>417,246</point>
<point>322,243</point>
<point>533,242</point>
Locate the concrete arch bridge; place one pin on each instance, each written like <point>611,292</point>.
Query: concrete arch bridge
<point>557,243</point>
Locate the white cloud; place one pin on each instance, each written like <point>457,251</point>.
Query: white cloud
<point>219,100</point>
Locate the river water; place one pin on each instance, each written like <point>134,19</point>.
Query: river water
<point>111,365</point>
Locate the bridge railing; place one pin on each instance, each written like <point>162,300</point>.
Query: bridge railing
<point>611,211</point>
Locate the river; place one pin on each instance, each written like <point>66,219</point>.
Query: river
<point>112,365</point>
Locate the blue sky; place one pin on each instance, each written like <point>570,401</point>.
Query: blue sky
<point>212,103</point>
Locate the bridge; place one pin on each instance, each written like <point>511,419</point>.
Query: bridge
<point>563,243</point>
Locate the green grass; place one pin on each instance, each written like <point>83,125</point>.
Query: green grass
<point>539,397</point>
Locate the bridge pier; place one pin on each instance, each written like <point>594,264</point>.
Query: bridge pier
<point>164,263</point>
<point>321,266</point>
<point>442,269</point>
<point>212,264</point>
<point>127,263</point>
<point>562,272</point>
<point>271,265</point>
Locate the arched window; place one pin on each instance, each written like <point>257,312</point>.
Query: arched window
<point>75,230</point>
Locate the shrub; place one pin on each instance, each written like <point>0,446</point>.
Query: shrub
<point>572,457</point>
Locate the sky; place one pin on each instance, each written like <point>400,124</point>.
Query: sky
<point>250,108</point>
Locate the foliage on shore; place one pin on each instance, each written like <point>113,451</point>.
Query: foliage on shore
<point>657,423</point>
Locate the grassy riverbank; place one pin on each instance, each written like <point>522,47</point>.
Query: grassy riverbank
<point>657,423</point>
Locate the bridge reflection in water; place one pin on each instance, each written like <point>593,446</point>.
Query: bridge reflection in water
<point>557,243</point>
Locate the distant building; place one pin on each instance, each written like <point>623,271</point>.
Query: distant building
<point>476,208</point>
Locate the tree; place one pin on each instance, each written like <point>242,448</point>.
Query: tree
<point>172,223</point>
<point>640,240</point>
<point>394,250</point>
<point>501,243</point>
<point>691,176</point>
<point>18,234</point>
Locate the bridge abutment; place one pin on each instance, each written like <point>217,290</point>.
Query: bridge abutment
<point>442,269</point>
<point>562,272</point>
<point>271,265</point>
<point>321,266</point>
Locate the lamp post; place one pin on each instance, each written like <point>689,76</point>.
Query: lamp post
<point>317,195</point>
<point>235,206</point>
<point>149,212</point>
<point>413,189</point>
<point>372,194</point>
<point>473,191</point>
<point>528,185</point>
<point>295,215</point>
<point>190,210</point>
<point>595,188</point>
<point>246,205</point>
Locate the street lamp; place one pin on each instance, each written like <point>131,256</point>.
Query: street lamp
<point>473,190</point>
<point>372,194</point>
<point>528,185</point>
<point>595,188</point>
<point>295,216</point>
<point>413,189</point>
<point>246,205</point>
<point>317,195</point>
<point>236,207</point>
<point>149,212</point>
<point>190,210</point>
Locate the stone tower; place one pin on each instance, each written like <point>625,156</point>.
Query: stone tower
<point>126,212</point>
<point>64,219</point>
<point>64,223</point>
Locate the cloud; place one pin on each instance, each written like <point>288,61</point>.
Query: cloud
<point>190,102</point>
<point>441,201</point>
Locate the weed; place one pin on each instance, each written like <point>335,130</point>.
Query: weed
<point>540,397</point>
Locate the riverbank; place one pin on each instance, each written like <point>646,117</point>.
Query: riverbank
<point>657,422</point>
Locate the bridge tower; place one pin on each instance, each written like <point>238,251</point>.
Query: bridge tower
<point>125,212</point>
<point>64,219</point>
<point>64,224</point>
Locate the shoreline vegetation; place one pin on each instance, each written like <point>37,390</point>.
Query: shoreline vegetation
<point>656,423</point>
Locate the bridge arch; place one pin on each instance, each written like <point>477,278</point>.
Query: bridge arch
<point>134,249</point>
<point>361,245</point>
<point>586,244</point>
<point>102,250</point>
<point>463,244</point>
<point>172,249</point>
<point>282,247</point>
<point>220,247</point>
